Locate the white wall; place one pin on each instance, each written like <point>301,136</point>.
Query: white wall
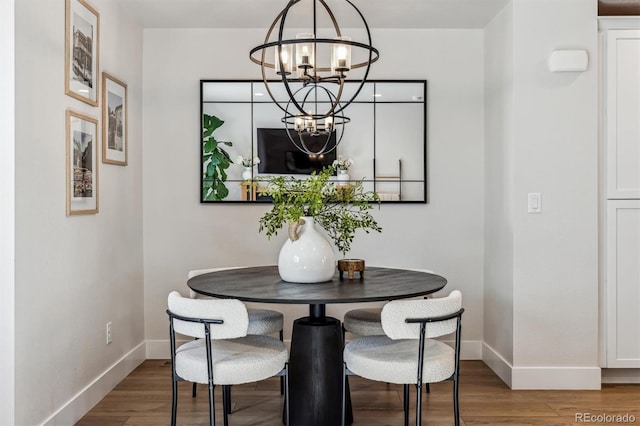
<point>498,252</point>
<point>73,274</point>
<point>553,151</point>
<point>7,212</point>
<point>180,234</point>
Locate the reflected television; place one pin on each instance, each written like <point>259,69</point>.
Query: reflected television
<point>279,156</point>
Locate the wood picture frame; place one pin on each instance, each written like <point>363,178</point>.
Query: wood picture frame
<point>82,164</point>
<point>115,141</point>
<point>82,51</point>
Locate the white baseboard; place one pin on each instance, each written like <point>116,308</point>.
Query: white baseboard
<point>87,398</point>
<point>621,375</point>
<point>497,363</point>
<point>562,378</point>
<point>541,377</point>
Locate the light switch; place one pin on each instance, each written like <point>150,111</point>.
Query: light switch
<point>535,202</point>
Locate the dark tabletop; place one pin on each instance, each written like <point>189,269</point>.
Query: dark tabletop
<point>263,284</point>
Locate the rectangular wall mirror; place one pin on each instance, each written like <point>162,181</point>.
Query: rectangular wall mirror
<point>386,139</point>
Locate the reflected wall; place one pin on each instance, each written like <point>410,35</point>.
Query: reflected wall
<point>386,137</point>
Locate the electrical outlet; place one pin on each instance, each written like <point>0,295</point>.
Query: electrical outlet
<point>108,333</point>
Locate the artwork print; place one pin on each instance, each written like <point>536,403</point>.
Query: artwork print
<point>82,56</point>
<point>82,164</point>
<point>114,120</point>
<point>82,51</point>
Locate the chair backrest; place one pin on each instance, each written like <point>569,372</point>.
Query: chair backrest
<point>396,312</point>
<point>232,312</point>
<point>197,272</point>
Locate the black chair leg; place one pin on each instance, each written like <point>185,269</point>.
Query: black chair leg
<point>344,390</point>
<point>212,413</point>
<point>456,404</point>
<point>427,388</point>
<point>418,405</point>
<point>194,389</point>
<point>406,405</point>
<point>228,405</point>
<point>282,379</point>
<point>286,394</point>
<point>174,403</point>
<point>225,404</point>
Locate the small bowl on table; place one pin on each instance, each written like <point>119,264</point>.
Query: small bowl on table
<point>351,266</point>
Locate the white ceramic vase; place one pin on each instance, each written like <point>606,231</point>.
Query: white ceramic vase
<point>247,174</point>
<point>306,256</point>
<point>343,175</point>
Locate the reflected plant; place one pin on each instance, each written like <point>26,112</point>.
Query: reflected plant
<point>215,161</point>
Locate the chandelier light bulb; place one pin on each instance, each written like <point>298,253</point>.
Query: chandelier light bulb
<point>285,57</point>
<point>328,124</point>
<point>341,57</point>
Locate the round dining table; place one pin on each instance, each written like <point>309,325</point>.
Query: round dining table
<point>315,361</point>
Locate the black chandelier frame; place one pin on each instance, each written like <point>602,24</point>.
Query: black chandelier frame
<point>337,106</point>
<point>338,121</point>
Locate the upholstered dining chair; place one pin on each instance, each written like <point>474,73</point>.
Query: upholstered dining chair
<point>262,322</point>
<point>366,322</point>
<point>408,352</point>
<point>232,358</point>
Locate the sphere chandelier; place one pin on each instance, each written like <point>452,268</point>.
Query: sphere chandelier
<point>311,133</point>
<point>313,71</point>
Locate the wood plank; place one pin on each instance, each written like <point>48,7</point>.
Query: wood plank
<point>144,398</point>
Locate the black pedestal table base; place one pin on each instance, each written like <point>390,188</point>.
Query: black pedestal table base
<point>315,372</point>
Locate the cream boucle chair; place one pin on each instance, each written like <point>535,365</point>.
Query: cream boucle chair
<point>234,358</point>
<point>408,353</point>
<point>262,322</point>
<point>366,322</point>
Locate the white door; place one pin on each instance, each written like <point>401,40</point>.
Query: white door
<point>622,115</point>
<point>623,284</point>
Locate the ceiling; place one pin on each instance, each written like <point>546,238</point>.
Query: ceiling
<point>379,13</point>
<point>260,13</point>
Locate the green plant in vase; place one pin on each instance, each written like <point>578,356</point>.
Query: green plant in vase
<point>340,209</point>
<point>215,161</point>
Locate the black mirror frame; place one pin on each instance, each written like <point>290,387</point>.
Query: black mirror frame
<point>425,181</point>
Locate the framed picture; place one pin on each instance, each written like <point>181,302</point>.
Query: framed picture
<point>114,121</point>
<point>82,164</point>
<point>82,51</point>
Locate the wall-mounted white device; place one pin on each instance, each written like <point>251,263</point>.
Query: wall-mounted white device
<point>568,60</point>
<point>534,202</point>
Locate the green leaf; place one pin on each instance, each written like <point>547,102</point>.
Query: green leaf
<point>210,146</point>
<point>213,122</point>
<point>215,158</point>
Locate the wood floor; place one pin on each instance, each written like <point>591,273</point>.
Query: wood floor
<point>144,398</point>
